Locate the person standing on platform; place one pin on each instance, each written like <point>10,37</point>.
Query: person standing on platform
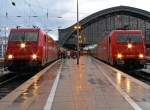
<point>68,54</point>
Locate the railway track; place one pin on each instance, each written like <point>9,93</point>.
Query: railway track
<point>143,76</point>
<point>11,81</point>
<point>139,74</point>
<point>6,78</point>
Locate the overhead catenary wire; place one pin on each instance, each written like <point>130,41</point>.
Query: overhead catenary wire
<point>44,18</point>
<point>28,3</point>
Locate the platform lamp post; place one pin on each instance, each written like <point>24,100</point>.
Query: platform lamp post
<point>78,27</point>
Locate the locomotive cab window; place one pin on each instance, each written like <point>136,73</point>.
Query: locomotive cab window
<point>16,36</point>
<point>23,36</point>
<point>31,36</point>
<point>125,38</point>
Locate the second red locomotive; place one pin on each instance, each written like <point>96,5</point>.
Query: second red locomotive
<point>122,47</point>
<point>29,47</point>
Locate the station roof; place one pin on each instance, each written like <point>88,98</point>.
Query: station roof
<point>139,13</point>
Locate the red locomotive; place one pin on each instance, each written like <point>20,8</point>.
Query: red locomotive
<point>122,47</point>
<point>29,48</point>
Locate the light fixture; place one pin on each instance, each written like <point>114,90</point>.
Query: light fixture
<point>34,56</point>
<point>129,45</point>
<point>141,55</point>
<point>22,45</point>
<point>119,55</point>
<point>10,56</point>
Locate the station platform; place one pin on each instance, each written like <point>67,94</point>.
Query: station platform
<point>91,85</point>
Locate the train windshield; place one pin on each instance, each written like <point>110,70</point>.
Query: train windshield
<point>125,38</point>
<point>23,36</point>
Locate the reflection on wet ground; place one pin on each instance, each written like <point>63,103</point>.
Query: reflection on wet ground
<point>84,88</point>
<point>138,93</point>
<point>36,89</point>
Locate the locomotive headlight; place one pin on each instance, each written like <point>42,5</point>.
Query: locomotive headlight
<point>34,56</point>
<point>129,46</point>
<point>141,55</point>
<point>22,45</point>
<point>119,56</point>
<point>10,56</point>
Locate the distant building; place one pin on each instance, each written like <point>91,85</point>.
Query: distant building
<point>3,43</point>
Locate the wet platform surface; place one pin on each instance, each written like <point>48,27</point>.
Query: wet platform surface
<point>91,85</point>
<point>83,87</point>
<point>32,95</point>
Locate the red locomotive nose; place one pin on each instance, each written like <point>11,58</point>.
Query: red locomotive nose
<point>29,48</point>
